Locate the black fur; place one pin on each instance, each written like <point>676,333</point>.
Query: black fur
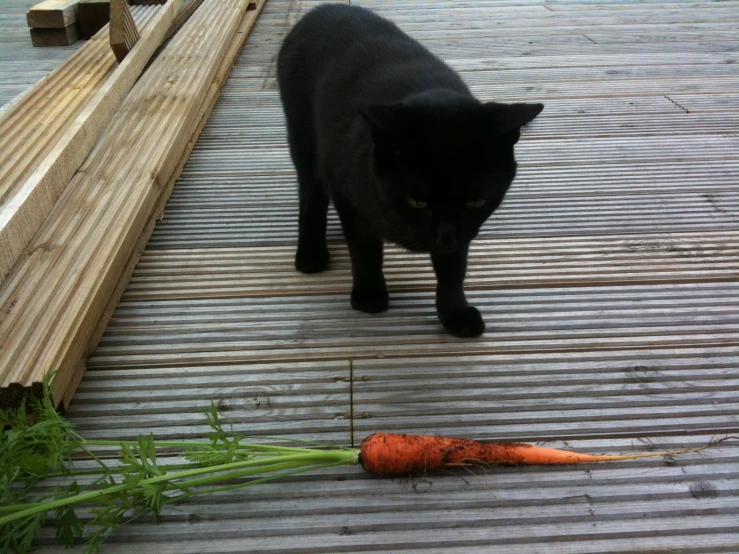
<point>393,137</point>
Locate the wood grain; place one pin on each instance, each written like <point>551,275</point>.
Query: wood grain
<point>123,32</point>
<point>198,123</point>
<point>88,242</point>
<point>53,14</point>
<point>46,134</point>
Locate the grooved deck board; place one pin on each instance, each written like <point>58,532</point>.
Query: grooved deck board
<point>609,282</point>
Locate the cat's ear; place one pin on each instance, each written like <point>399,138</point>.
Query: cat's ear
<point>381,117</point>
<point>507,119</point>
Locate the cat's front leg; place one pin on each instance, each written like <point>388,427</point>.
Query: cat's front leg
<point>457,316</point>
<point>369,292</point>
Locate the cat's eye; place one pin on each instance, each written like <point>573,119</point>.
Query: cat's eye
<point>475,204</point>
<point>418,204</point>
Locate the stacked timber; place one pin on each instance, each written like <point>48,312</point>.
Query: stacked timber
<point>46,133</point>
<point>54,23</point>
<point>57,300</point>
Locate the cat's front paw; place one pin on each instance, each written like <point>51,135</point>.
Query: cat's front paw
<point>311,260</point>
<point>467,323</point>
<point>370,300</point>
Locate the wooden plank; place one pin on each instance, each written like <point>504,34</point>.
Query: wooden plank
<point>489,398</point>
<point>494,264</point>
<point>584,60</point>
<point>39,156</point>
<point>94,239</point>
<point>521,321</point>
<point>295,399</point>
<point>540,91</point>
<point>693,103</point>
<point>198,123</point>
<point>604,72</point>
<point>482,529</point>
<point>264,128</point>
<point>93,16</point>
<point>638,6</point>
<point>542,48</point>
<point>481,25</point>
<point>57,14</point>
<point>123,32</point>
<point>710,534</point>
<point>183,15</point>
<point>55,37</point>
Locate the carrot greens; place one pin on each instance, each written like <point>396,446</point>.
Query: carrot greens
<point>39,446</point>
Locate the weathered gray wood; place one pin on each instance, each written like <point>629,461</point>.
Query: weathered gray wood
<point>482,534</point>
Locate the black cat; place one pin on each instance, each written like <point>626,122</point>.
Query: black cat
<point>395,139</point>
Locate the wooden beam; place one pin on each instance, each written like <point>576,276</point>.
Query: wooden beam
<point>55,37</point>
<point>93,16</point>
<point>58,298</point>
<point>123,32</point>
<point>46,133</point>
<point>183,15</point>
<point>198,123</point>
<point>53,14</point>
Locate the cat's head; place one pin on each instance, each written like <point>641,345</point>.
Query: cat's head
<point>444,162</point>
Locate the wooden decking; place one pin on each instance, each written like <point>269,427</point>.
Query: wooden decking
<point>609,282</point>
<point>22,65</point>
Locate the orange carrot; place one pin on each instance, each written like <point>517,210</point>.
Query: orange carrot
<point>393,454</point>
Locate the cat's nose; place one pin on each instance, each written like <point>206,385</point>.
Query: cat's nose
<point>446,236</point>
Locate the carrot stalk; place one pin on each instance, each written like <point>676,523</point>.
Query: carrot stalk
<point>394,454</point>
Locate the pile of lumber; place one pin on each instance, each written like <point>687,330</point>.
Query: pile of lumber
<point>62,22</point>
<point>54,22</point>
<point>46,133</point>
<point>59,296</point>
